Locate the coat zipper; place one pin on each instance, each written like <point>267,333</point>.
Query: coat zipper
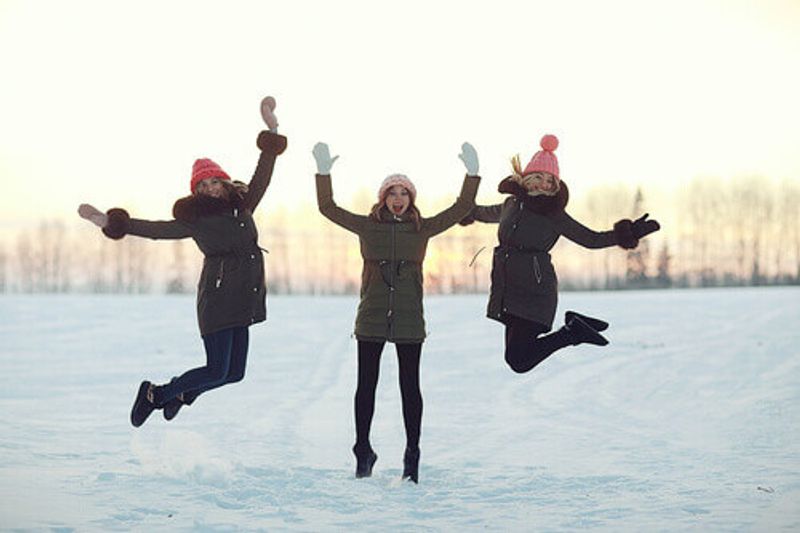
<point>390,313</point>
<point>537,270</point>
<point>220,272</point>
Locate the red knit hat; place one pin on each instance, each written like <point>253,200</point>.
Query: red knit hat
<point>204,169</point>
<point>545,160</point>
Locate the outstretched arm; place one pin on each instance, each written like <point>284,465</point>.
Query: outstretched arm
<point>116,223</point>
<point>625,234</point>
<point>327,206</point>
<point>483,213</point>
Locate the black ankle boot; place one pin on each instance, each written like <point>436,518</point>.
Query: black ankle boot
<point>172,406</point>
<point>365,460</point>
<point>411,464</point>
<point>594,323</point>
<point>143,405</point>
<point>579,332</point>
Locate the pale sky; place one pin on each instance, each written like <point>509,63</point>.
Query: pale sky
<point>111,102</point>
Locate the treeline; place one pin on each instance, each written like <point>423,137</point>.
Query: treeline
<point>714,233</point>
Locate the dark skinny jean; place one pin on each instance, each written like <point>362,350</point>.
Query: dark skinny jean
<point>369,360</point>
<point>226,358</point>
<point>525,348</point>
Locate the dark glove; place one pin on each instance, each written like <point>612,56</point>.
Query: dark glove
<point>118,225</point>
<point>641,226</point>
<point>271,142</point>
<point>509,186</point>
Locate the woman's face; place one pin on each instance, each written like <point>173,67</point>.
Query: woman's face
<point>541,182</point>
<point>398,200</point>
<point>212,187</point>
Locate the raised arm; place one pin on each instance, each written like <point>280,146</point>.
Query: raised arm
<point>466,198</point>
<point>461,208</point>
<point>327,206</point>
<point>271,145</point>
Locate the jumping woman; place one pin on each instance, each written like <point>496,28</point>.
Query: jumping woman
<point>231,293</point>
<point>524,286</point>
<point>393,239</point>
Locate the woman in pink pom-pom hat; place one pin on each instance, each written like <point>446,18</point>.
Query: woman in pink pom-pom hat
<point>524,286</point>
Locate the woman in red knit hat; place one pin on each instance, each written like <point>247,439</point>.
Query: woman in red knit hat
<point>231,296</point>
<point>524,290</point>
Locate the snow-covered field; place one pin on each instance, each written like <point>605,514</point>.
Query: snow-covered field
<point>689,419</point>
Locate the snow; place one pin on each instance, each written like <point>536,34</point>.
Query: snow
<point>689,419</point>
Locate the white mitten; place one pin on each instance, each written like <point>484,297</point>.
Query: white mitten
<point>93,215</point>
<point>323,157</point>
<point>267,108</point>
<point>470,158</point>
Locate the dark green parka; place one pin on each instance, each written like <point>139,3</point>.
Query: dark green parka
<point>393,250</point>
<point>524,282</point>
<point>231,291</point>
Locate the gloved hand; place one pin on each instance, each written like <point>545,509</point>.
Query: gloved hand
<point>641,226</point>
<point>323,157</point>
<point>93,215</point>
<point>470,158</point>
<point>267,108</point>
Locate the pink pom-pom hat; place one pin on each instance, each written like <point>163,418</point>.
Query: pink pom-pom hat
<point>545,160</point>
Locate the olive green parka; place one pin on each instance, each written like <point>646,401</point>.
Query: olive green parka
<point>231,291</point>
<point>393,251</point>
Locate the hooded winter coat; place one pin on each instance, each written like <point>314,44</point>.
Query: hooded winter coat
<point>231,291</point>
<point>523,281</point>
<point>393,251</point>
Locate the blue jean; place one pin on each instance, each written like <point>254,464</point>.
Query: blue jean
<point>226,358</point>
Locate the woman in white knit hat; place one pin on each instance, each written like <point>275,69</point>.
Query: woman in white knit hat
<point>393,239</point>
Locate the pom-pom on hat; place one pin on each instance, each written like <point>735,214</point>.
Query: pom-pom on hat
<point>545,160</point>
<point>204,169</point>
<point>397,179</point>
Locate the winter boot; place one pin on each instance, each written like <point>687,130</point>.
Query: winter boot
<point>365,460</point>
<point>411,464</point>
<point>594,323</point>
<point>174,405</point>
<point>579,332</point>
<point>143,405</point>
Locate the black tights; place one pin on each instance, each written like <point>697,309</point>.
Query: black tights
<point>525,348</point>
<point>369,360</point>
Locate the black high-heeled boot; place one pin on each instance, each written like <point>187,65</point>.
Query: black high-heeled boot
<point>365,460</point>
<point>411,464</point>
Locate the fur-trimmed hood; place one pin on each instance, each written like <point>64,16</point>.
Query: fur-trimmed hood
<point>194,206</point>
<point>541,204</point>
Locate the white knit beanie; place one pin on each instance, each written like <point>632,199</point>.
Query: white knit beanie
<point>397,179</point>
